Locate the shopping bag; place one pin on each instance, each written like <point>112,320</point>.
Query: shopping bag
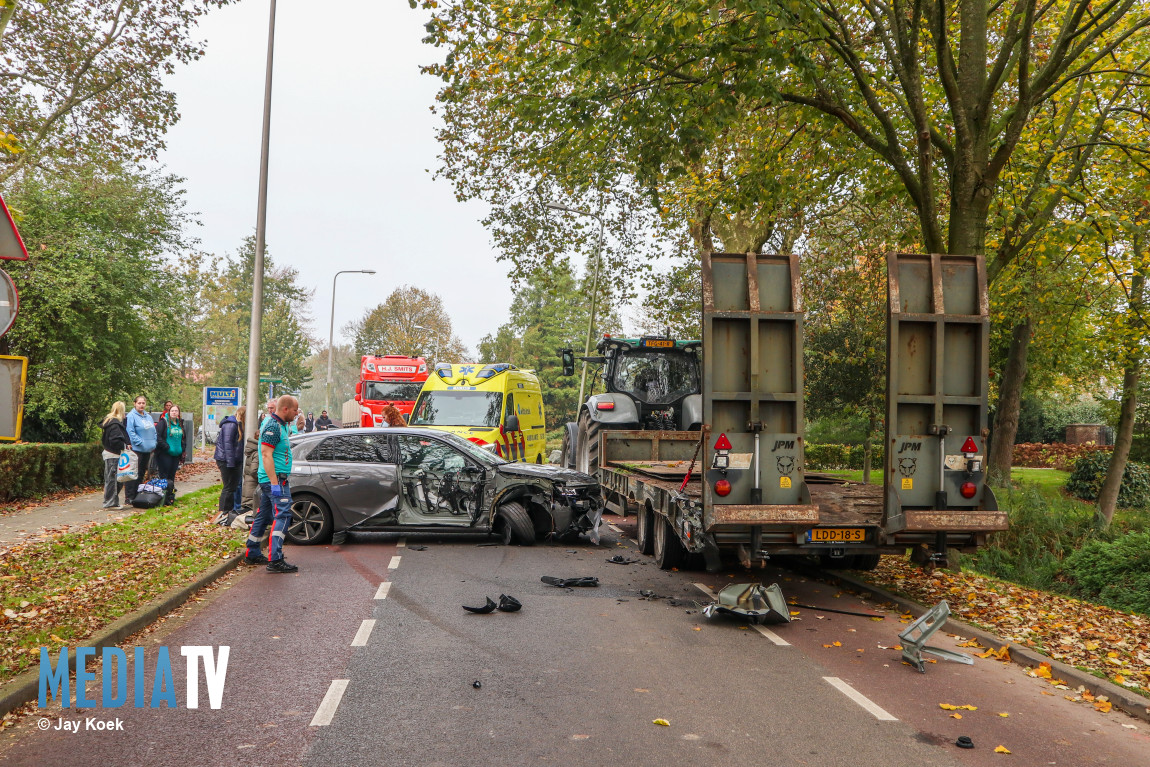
<point>129,467</point>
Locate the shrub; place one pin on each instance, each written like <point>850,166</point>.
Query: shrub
<point>1090,471</point>
<point>1042,531</point>
<point>1115,573</point>
<point>36,469</point>
<point>828,457</point>
<point>1057,455</point>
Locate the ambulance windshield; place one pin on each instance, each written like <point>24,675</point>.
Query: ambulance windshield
<point>458,408</point>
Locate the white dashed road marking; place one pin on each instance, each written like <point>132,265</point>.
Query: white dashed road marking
<point>401,543</point>
<point>778,640</point>
<point>772,636</point>
<point>860,699</point>
<point>381,592</point>
<point>614,528</point>
<point>326,710</point>
<point>394,563</point>
<point>706,590</point>
<point>363,633</point>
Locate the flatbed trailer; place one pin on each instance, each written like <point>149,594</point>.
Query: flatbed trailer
<point>738,488</point>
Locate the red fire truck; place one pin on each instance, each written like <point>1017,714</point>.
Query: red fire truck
<point>388,380</point>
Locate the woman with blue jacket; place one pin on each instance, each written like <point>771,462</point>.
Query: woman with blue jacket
<point>142,433</point>
<point>230,459</point>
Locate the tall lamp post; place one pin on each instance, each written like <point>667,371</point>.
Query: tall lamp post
<point>331,334</point>
<point>429,330</point>
<point>594,288</point>
<point>261,229</point>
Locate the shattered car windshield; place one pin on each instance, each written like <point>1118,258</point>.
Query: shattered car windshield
<point>473,451</point>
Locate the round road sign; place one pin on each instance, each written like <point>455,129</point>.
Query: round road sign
<point>9,302</point>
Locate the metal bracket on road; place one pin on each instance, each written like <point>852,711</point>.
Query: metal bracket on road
<point>915,635</point>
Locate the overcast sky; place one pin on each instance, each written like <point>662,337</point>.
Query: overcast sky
<point>351,141</point>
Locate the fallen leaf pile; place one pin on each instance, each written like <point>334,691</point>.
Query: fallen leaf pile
<point>1078,633</point>
<point>63,589</point>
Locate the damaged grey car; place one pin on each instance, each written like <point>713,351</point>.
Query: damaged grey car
<point>414,480</point>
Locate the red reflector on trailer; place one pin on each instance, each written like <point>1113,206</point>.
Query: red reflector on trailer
<point>969,446</point>
<point>723,443</point>
<point>722,487</point>
<point>967,489</point>
<point>604,405</point>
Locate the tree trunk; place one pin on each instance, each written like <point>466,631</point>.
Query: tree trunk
<point>1009,403</point>
<point>1108,495</point>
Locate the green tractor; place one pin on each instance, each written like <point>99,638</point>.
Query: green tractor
<point>651,384</point>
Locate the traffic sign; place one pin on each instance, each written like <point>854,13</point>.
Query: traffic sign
<point>9,302</point>
<point>11,246</point>
<point>271,380</point>
<point>13,374</point>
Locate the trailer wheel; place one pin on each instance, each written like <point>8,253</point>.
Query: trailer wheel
<point>866,561</point>
<point>643,529</point>
<point>669,552</point>
<point>587,457</point>
<point>513,520</point>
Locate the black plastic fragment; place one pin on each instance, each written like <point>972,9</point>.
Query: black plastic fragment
<point>487,608</point>
<point>619,559</point>
<point>964,741</point>
<point>477,684</point>
<point>509,604</point>
<point>418,548</point>
<point>566,583</point>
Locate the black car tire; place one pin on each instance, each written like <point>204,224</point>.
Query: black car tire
<point>669,551</point>
<point>644,530</point>
<point>316,527</point>
<point>516,519</point>
<point>588,443</point>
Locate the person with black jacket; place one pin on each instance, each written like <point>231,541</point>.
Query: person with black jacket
<point>229,458</point>
<point>113,440</point>
<point>171,444</point>
<point>323,423</point>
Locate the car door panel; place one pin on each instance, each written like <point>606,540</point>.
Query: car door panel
<point>359,481</point>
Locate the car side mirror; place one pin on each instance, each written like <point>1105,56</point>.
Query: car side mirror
<point>511,423</point>
<point>568,362</point>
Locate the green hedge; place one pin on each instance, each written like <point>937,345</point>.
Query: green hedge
<point>832,457</point>
<point>1090,472</point>
<point>1115,573</point>
<point>36,469</point>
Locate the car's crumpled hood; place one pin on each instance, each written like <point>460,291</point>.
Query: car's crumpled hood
<point>547,471</point>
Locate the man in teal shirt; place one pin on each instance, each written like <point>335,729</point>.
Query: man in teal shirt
<point>275,502</point>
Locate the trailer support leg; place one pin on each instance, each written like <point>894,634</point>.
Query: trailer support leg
<point>711,555</point>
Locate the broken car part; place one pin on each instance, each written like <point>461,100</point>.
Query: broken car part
<point>508,604</point>
<point>487,608</point>
<point>566,583</point>
<point>915,635</point>
<point>752,601</point>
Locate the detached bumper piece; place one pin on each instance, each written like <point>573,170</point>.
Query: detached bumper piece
<point>915,635</point>
<point>753,602</point>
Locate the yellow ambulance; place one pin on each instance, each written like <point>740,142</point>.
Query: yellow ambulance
<point>498,407</point>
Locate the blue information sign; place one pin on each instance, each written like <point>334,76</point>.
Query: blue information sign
<point>219,395</point>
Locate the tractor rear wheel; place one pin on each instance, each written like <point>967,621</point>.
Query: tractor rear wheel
<point>587,459</point>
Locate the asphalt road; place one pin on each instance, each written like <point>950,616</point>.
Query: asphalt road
<point>576,678</point>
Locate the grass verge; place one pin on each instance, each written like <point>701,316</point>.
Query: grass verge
<point>61,591</point>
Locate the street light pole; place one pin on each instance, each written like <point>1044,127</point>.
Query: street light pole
<point>594,289</point>
<point>253,408</point>
<point>331,334</point>
<point>435,358</point>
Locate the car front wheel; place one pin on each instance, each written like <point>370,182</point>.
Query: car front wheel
<point>311,521</point>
